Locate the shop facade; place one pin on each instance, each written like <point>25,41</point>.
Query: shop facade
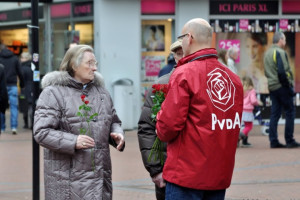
<point>60,24</point>
<point>118,30</point>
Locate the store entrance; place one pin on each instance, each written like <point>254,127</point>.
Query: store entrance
<point>64,36</point>
<point>15,39</point>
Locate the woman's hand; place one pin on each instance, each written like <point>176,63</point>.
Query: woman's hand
<point>119,139</point>
<point>158,180</point>
<point>84,142</point>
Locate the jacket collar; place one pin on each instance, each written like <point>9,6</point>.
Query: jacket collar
<point>62,78</point>
<point>198,55</point>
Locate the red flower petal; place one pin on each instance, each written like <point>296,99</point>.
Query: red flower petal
<point>82,96</point>
<point>86,102</point>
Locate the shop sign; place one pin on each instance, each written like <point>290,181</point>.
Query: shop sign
<point>19,14</point>
<point>283,24</point>
<point>290,7</point>
<point>244,23</point>
<point>154,7</point>
<point>152,67</point>
<point>83,9</point>
<point>219,7</point>
<point>60,10</point>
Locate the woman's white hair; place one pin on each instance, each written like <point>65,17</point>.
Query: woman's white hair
<point>73,58</point>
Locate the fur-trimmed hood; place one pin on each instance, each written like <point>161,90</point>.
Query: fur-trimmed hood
<point>63,78</point>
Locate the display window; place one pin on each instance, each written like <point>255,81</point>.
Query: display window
<point>155,48</point>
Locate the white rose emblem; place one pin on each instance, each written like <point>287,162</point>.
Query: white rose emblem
<point>220,89</point>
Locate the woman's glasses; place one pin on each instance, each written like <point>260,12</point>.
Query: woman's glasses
<point>92,63</point>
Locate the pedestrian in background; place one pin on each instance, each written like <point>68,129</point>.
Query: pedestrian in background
<point>175,55</point>
<point>12,72</point>
<point>75,121</point>
<point>250,101</point>
<point>146,131</point>
<point>168,68</point>
<point>27,90</point>
<point>202,93</point>
<point>232,56</point>
<point>281,87</point>
<point>3,92</point>
<point>222,56</point>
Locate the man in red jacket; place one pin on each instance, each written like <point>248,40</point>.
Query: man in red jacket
<point>200,119</point>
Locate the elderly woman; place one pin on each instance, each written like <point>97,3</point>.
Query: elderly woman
<point>75,121</point>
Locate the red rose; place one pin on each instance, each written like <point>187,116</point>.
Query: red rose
<point>86,102</point>
<point>82,97</point>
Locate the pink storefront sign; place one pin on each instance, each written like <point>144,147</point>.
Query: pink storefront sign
<point>152,67</point>
<point>283,24</point>
<point>244,24</point>
<point>60,10</point>
<point>158,6</point>
<point>226,44</point>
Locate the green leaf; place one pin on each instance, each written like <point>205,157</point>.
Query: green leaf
<point>87,108</point>
<point>80,107</point>
<point>92,116</point>
<point>79,114</point>
<point>82,130</point>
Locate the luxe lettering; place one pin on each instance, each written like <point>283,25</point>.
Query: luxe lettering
<point>225,123</point>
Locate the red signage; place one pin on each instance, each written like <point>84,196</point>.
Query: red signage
<point>83,9</point>
<point>157,7</point>
<point>290,7</point>
<point>60,10</point>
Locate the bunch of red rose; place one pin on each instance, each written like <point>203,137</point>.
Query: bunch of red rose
<point>160,91</point>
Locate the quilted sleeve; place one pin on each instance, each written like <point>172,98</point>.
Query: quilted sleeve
<point>46,125</point>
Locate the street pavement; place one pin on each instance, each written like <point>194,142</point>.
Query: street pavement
<point>260,173</point>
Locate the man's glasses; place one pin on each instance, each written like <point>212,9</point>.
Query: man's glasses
<point>92,63</point>
<point>182,36</point>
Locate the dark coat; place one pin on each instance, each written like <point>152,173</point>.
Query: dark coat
<point>3,91</point>
<point>146,131</point>
<point>28,80</point>
<point>12,68</point>
<point>146,135</point>
<point>167,68</point>
<point>72,174</point>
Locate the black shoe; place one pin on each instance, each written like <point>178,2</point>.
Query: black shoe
<point>293,145</point>
<point>245,142</point>
<point>242,135</point>
<point>25,126</point>
<point>278,145</point>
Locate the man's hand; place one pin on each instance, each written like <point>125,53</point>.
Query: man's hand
<point>158,180</point>
<point>119,139</point>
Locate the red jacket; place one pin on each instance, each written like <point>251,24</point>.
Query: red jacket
<point>200,119</point>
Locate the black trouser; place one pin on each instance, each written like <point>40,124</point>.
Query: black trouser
<point>0,124</point>
<point>27,114</point>
<point>160,193</point>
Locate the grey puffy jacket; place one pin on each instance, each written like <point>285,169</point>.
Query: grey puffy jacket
<point>69,173</point>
